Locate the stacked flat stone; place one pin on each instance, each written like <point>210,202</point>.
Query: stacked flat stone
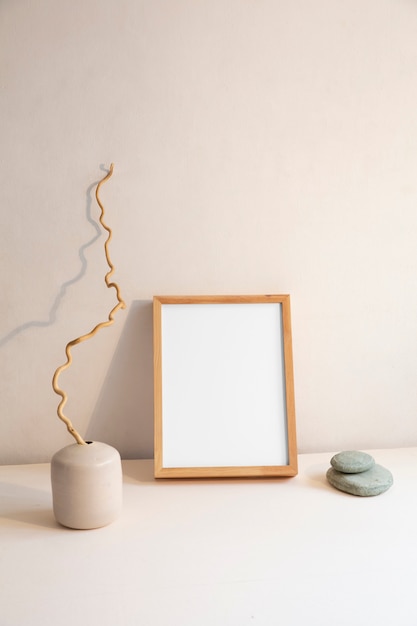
<point>357,473</point>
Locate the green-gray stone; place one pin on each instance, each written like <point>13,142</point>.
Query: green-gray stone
<point>352,462</point>
<point>370,483</point>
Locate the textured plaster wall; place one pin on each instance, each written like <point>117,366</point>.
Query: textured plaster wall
<point>259,147</point>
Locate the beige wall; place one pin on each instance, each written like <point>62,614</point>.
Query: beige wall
<point>264,146</point>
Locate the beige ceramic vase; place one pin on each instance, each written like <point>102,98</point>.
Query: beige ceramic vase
<point>86,485</point>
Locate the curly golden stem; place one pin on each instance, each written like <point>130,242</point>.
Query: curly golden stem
<point>120,305</point>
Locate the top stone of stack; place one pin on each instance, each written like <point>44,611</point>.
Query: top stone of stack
<point>352,462</point>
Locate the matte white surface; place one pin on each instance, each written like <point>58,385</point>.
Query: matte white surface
<point>231,553</point>
<point>223,385</point>
<point>260,146</point>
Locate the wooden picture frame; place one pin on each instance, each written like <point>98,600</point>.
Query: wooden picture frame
<point>223,387</point>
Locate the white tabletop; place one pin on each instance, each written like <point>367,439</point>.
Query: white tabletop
<point>214,553</point>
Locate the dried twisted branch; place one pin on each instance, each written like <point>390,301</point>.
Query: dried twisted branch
<point>120,305</point>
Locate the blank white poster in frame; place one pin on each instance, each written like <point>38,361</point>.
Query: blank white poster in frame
<point>223,387</point>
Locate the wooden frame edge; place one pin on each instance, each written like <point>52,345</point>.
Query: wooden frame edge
<point>157,365</point>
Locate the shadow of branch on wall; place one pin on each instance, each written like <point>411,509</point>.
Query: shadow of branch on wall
<point>123,415</point>
<point>64,287</point>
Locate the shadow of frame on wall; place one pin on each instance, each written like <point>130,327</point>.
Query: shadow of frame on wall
<point>123,415</point>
